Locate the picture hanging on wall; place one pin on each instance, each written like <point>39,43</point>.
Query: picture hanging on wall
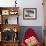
<point>30,13</point>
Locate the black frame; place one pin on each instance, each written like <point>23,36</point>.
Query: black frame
<point>32,12</point>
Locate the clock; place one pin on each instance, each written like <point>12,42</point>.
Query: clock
<point>5,12</point>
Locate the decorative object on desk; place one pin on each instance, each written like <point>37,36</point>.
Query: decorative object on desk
<point>15,30</point>
<point>13,12</point>
<point>15,36</point>
<point>29,13</point>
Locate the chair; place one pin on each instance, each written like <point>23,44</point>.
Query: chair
<point>28,34</point>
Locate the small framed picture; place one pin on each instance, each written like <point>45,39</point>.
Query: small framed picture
<point>5,12</point>
<point>30,13</point>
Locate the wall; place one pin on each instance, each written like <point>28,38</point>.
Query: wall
<point>31,4</point>
<point>27,4</point>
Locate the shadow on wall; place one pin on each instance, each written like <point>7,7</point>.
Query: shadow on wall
<point>37,29</point>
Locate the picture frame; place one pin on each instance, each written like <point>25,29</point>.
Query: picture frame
<point>5,12</point>
<point>30,13</point>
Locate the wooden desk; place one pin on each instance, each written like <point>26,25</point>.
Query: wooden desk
<point>10,43</point>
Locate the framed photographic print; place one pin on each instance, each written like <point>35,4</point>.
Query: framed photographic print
<point>5,12</point>
<point>30,13</point>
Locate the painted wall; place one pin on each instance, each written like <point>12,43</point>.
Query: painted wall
<point>31,4</point>
<point>26,4</point>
